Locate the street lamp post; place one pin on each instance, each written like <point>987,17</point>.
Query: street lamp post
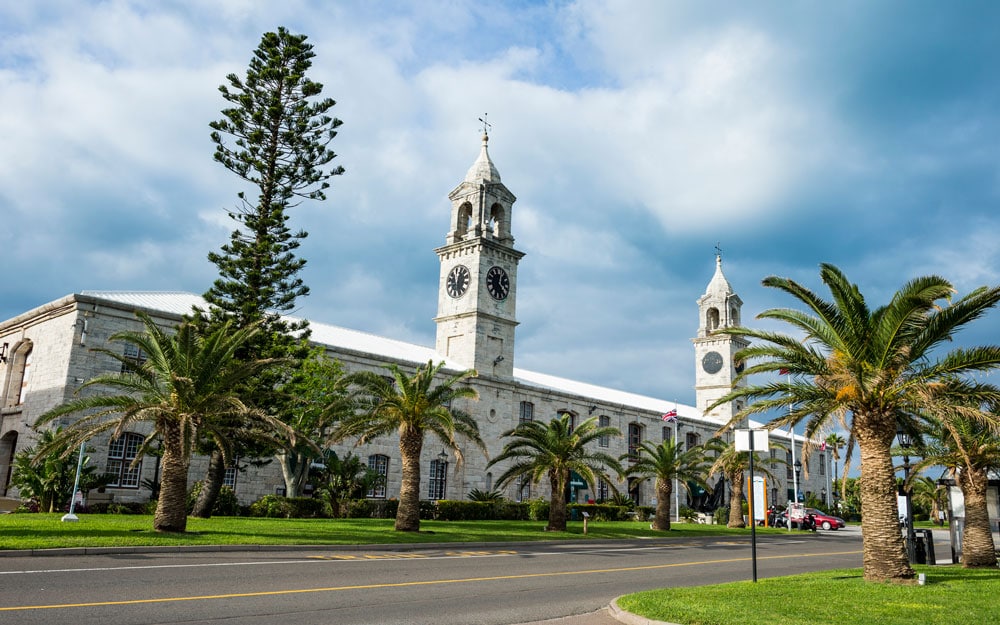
<point>798,478</point>
<point>905,442</point>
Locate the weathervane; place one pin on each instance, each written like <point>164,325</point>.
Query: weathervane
<point>718,249</point>
<point>486,125</point>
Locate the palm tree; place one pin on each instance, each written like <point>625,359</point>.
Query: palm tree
<point>664,463</point>
<point>835,442</point>
<point>185,385</point>
<point>734,465</point>
<point>865,370</point>
<point>928,494</point>
<point>554,450</point>
<point>411,406</point>
<point>968,448</point>
<point>345,479</point>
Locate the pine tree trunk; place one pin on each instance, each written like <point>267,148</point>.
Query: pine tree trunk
<point>211,486</point>
<point>884,552</point>
<point>171,508</point>
<point>557,501</point>
<point>978,550</point>
<point>411,443</point>
<point>664,491</point>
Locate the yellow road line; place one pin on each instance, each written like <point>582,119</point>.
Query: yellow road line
<point>466,580</point>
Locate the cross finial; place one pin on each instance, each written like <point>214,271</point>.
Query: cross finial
<point>718,250</point>
<point>486,125</point>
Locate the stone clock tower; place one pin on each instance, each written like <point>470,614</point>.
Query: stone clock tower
<point>478,285</point>
<point>715,367</point>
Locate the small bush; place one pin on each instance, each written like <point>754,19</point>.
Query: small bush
<point>538,509</point>
<point>687,514</point>
<point>275,506</point>
<point>226,504</point>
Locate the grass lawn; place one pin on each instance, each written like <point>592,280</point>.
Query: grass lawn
<point>951,595</point>
<point>46,531</point>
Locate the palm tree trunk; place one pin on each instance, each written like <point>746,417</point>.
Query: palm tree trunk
<point>664,492</point>
<point>884,553</point>
<point>408,514</point>
<point>557,501</point>
<point>978,549</point>
<point>736,501</point>
<point>171,508</point>
<point>211,486</point>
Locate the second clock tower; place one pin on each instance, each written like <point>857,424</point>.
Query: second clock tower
<point>478,283</point>
<point>715,365</point>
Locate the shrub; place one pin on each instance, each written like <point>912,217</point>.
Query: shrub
<point>601,511</point>
<point>538,509</point>
<point>275,506</point>
<point>687,514</point>
<point>226,504</point>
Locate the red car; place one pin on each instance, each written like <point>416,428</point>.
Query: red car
<point>826,521</point>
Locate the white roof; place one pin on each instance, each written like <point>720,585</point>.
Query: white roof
<point>181,303</point>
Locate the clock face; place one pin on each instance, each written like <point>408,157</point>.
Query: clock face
<point>712,362</point>
<point>458,281</point>
<point>497,283</point>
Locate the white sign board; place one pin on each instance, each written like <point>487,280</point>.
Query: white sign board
<point>759,497</point>
<point>759,440</point>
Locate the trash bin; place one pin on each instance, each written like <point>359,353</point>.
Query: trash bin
<point>927,541</point>
<point>919,552</point>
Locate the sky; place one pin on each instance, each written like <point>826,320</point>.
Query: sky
<point>637,136</point>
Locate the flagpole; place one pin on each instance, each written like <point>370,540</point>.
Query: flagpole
<point>677,493</point>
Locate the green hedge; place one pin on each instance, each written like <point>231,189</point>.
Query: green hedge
<point>448,510</point>
<point>600,511</point>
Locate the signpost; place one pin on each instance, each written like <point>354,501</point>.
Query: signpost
<point>751,441</point>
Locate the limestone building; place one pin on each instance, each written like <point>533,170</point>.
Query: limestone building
<point>47,353</point>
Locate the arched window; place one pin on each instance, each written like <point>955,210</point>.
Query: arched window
<point>378,464</point>
<point>734,316</point>
<point>8,444</point>
<point>464,220</point>
<point>496,223</point>
<point>122,452</point>
<point>712,319</point>
<point>489,482</point>
<point>18,375</point>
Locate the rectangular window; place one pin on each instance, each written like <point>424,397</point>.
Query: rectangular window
<point>134,355</point>
<point>666,433</point>
<point>379,464</point>
<point>121,452</point>
<point>229,478</point>
<point>634,439</point>
<point>527,412</point>
<point>822,464</point>
<point>691,440</point>
<point>604,421</point>
<point>788,467</point>
<point>602,490</point>
<point>523,489</point>
<point>437,484</point>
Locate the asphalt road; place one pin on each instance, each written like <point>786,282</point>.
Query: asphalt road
<point>461,585</point>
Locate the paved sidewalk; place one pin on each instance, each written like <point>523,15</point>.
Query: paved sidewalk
<point>611,615</point>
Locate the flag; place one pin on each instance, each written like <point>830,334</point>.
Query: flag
<point>782,371</point>
<point>670,416</point>
<point>823,446</point>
